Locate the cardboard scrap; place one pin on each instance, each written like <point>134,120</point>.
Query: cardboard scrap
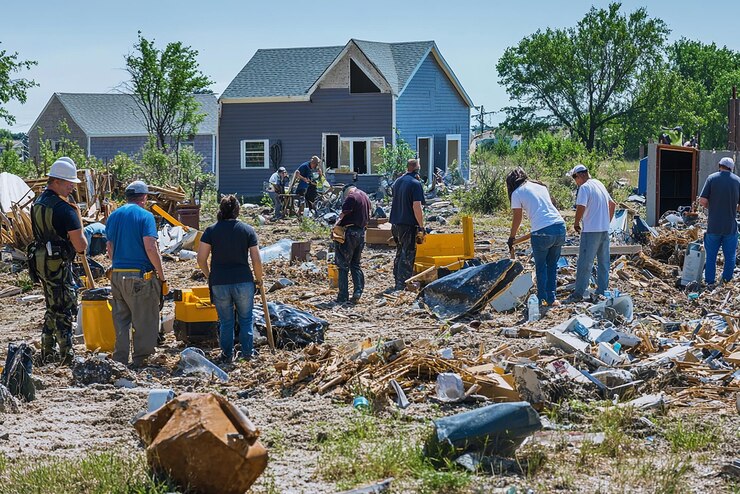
<point>204,443</point>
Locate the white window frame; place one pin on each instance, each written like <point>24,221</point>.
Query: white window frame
<point>453,137</point>
<point>368,149</point>
<point>182,144</point>
<point>430,158</point>
<point>266,157</point>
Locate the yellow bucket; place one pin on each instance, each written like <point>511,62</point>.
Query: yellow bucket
<point>97,325</point>
<point>333,276</point>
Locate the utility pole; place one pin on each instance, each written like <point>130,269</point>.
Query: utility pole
<point>481,115</point>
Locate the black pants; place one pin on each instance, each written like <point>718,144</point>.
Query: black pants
<point>403,265</point>
<point>309,194</point>
<point>348,257</point>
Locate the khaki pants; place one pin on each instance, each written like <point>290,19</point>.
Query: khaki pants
<point>135,303</point>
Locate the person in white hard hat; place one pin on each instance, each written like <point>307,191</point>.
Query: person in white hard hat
<point>137,277</point>
<point>721,195</point>
<point>58,236</point>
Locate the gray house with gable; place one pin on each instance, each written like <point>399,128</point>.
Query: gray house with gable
<point>342,103</point>
<point>107,124</point>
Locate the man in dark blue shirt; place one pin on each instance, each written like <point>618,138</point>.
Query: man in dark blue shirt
<point>307,174</point>
<point>407,221</point>
<point>721,196</point>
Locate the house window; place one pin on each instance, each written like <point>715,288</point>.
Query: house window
<point>188,143</point>
<point>359,82</point>
<point>360,154</point>
<point>255,153</point>
<point>454,150</point>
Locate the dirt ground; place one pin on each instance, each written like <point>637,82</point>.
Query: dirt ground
<point>67,420</point>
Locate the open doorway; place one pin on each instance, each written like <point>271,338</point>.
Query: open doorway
<point>424,149</point>
<point>359,156</point>
<point>453,150</point>
<point>331,151</point>
<point>676,178</point>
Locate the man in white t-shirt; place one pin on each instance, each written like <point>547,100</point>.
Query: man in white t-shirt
<point>278,182</point>
<point>595,209</point>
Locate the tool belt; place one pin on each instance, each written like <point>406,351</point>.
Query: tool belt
<point>48,259</point>
<point>337,233</point>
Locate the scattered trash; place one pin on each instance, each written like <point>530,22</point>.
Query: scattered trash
<point>276,250</point>
<point>511,297</point>
<point>95,370</point>
<point>376,488</point>
<point>17,371</point>
<point>401,399</point>
<point>185,255</point>
<point>293,327</point>
<point>468,290</point>
<point>124,383</point>
<point>157,398</point>
<point>533,308</point>
<point>494,429</point>
<point>204,443</point>
<point>194,361</point>
<point>361,403</point>
<point>280,283</point>
<point>450,387</point>
<point>8,402</point>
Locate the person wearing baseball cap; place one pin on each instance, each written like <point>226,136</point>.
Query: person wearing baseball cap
<point>594,211</point>
<point>721,197</point>
<point>276,187</point>
<point>137,276</point>
<point>308,174</point>
<point>58,236</point>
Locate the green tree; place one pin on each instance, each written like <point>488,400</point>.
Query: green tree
<point>164,82</point>
<point>13,89</point>
<point>586,77</point>
<point>393,159</point>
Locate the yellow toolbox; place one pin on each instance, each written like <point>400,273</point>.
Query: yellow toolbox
<point>443,249</point>
<point>196,320</point>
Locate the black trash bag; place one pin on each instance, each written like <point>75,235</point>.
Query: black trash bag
<point>496,429</point>
<point>100,293</point>
<point>17,372</point>
<point>468,290</point>
<point>293,328</point>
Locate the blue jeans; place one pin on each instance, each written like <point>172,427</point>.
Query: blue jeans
<point>593,245</point>
<point>226,298</point>
<point>712,243</point>
<point>546,244</point>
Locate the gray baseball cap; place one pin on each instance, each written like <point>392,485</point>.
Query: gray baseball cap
<point>137,187</point>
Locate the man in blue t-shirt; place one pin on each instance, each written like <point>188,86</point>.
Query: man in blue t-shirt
<point>721,197</point>
<point>137,276</point>
<point>307,174</point>
<point>407,222</point>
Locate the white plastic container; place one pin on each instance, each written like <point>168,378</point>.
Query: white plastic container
<point>193,361</point>
<point>533,308</point>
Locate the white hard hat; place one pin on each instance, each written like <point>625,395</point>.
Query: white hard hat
<point>65,169</point>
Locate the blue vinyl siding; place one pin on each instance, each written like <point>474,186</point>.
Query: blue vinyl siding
<point>431,106</point>
<point>299,127</point>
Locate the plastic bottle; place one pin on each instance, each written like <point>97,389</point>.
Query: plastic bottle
<point>194,361</point>
<point>533,308</point>
<point>617,347</point>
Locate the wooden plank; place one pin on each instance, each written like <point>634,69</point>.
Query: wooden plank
<point>614,250</point>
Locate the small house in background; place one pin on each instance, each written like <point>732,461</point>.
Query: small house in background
<point>342,103</point>
<point>107,124</point>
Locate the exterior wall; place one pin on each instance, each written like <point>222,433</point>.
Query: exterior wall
<point>106,148</point>
<point>431,106</point>
<point>48,121</point>
<point>299,127</point>
<point>338,76</point>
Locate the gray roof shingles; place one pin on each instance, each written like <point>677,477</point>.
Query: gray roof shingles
<point>292,71</point>
<point>116,114</point>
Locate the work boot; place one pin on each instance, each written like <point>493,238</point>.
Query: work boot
<point>48,354</point>
<point>66,356</point>
<point>356,297</point>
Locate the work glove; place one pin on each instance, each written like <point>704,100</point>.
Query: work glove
<point>420,234</point>
<point>510,242</point>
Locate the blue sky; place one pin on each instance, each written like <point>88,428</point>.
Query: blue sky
<point>79,45</point>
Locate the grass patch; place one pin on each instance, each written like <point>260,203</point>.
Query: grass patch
<point>670,479</point>
<point>363,453</point>
<point>23,281</point>
<point>690,435</point>
<point>95,473</point>
<point>315,228</point>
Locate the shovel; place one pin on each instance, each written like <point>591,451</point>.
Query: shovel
<point>268,323</point>
<point>518,240</point>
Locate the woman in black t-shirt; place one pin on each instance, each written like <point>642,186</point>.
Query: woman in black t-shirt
<point>230,243</point>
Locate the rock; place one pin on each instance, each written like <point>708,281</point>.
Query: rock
<point>99,371</point>
<point>321,255</point>
<point>8,402</point>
